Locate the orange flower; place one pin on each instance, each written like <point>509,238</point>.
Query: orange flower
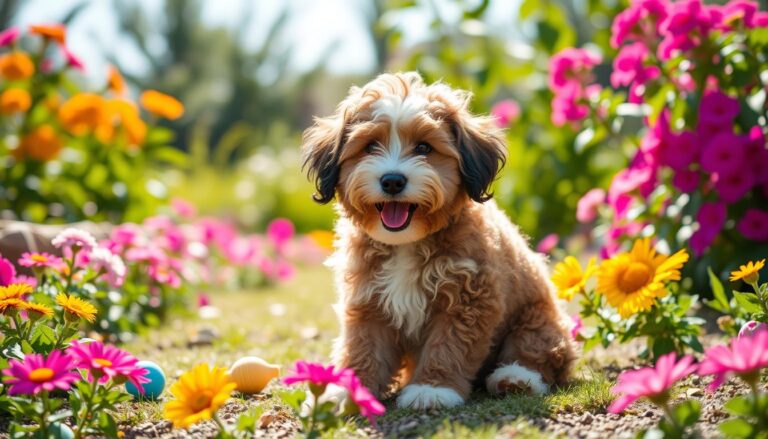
<point>41,144</point>
<point>16,65</point>
<point>162,105</point>
<point>115,81</point>
<point>83,113</point>
<point>15,100</point>
<point>126,113</point>
<point>55,32</point>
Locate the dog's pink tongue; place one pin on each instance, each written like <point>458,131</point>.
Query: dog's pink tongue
<point>394,214</point>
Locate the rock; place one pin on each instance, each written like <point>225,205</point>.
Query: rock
<point>587,418</point>
<point>205,336</point>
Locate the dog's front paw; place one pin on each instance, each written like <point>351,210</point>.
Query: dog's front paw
<point>514,378</point>
<point>422,397</point>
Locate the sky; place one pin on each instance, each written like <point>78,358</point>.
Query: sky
<point>313,26</point>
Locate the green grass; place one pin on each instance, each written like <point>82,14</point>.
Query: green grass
<point>251,324</point>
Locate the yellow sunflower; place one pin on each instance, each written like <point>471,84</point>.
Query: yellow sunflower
<point>14,291</point>
<point>199,394</point>
<point>38,309</point>
<point>77,307</point>
<point>632,281</point>
<point>570,279</point>
<point>10,304</point>
<point>749,272</point>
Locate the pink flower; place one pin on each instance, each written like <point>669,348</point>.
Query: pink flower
<point>629,66</point>
<point>548,243</point>
<point>718,109</point>
<point>750,328</point>
<point>732,186</point>
<point>738,11</point>
<point>183,208</point>
<point>686,21</point>
<point>7,272</point>
<point>103,260</point>
<point>73,60</point>
<point>711,218</point>
<point>22,279</point>
<point>203,300</point>
<point>754,225</point>
<point>9,36</point>
<point>367,404</point>
<point>686,181</point>
<point>313,373</point>
<point>638,22</point>
<point>39,260</point>
<point>126,235</point>
<point>679,151</point>
<point>36,373</point>
<point>105,362</point>
<point>566,109</point>
<point>72,238</point>
<point>745,357</point>
<point>651,382</point>
<point>586,209</point>
<point>505,112</point>
<point>571,68</point>
<point>757,154</point>
<point>724,153</point>
<point>577,325</point>
<point>613,237</point>
<point>761,19</point>
<point>280,231</point>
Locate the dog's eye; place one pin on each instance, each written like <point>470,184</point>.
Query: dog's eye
<point>369,148</point>
<point>422,148</point>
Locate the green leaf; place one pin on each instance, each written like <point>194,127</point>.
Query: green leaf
<point>687,413</point>
<point>748,302</point>
<point>737,428</point>
<point>740,405</point>
<point>718,290</point>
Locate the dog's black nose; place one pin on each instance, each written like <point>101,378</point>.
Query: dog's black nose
<point>393,183</point>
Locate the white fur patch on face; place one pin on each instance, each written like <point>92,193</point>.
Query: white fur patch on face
<point>422,397</point>
<point>517,376</point>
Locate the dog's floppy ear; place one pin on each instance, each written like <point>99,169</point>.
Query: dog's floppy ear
<point>483,153</point>
<point>321,147</point>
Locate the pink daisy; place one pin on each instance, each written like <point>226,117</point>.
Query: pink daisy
<point>367,404</point>
<point>650,382</point>
<point>313,373</point>
<point>280,231</point>
<point>745,357</point>
<point>103,260</point>
<point>39,260</point>
<point>107,362</point>
<point>9,36</point>
<point>72,238</point>
<point>7,272</point>
<point>36,373</point>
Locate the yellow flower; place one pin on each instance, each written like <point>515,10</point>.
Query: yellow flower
<point>14,291</point>
<point>632,281</point>
<point>56,32</point>
<point>83,113</point>
<point>77,307</point>
<point>750,272</point>
<point>161,104</point>
<point>199,394</point>
<point>322,238</point>
<point>16,65</point>
<point>570,279</point>
<point>42,144</point>
<point>15,100</point>
<point>127,115</point>
<point>38,308</point>
<point>115,81</point>
<point>10,304</point>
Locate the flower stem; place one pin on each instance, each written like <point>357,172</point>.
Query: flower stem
<point>44,415</point>
<point>83,422</point>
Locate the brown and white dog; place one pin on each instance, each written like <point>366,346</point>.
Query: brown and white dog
<point>438,289</point>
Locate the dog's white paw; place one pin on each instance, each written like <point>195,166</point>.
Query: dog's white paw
<point>514,378</point>
<point>422,397</point>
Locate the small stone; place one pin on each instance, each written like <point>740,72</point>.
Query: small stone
<point>266,419</point>
<point>587,418</point>
<point>694,392</point>
<point>309,333</point>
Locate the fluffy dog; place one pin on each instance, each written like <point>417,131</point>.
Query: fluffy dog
<point>438,289</point>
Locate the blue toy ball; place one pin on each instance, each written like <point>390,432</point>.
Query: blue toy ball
<point>56,430</point>
<point>154,387</point>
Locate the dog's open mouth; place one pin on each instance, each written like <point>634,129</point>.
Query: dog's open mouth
<point>395,215</point>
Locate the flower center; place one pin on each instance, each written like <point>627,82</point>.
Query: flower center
<point>102,362</point>
<point>201,402</point>
<point>574,279</point>
<point>41,375</point>
<point>634,277</point>
<point>39,258</point>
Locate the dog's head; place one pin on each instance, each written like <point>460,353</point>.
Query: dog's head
<point>403,157</point>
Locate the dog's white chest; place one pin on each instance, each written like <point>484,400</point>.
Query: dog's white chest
<point>400,291</point>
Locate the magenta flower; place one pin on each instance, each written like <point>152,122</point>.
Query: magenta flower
<point>36,373</point>
<point>629,66</point>
<point>103,260</point>
<point>686,181</point>
<point>586,209</point>
<point>577,325</point>
<point>505,112</point>
<point>745,357</point>
<point>73,60</point>
<point>738,11</point>
<point>126,235</point>
<point>754,225</point>
<point>369,406</point>
<point>750,328</point>
<point>105,362</point>
<point>679,151</point>
<point>685,23</point>
<point>718,109</point>
<point>711,219</point>
<point>314,373</point>
<point>651,382</point>
<point>7,272</point>
<point>39,260</point>
<point>72,238</point>
<point>183,208</point>
<point>571,69</point>
<point>638,22</point>
<point>566,108</point>
<point>733,185</point>
<point>9,36</point>
<point>724,153</point>
<point>548,243</point>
